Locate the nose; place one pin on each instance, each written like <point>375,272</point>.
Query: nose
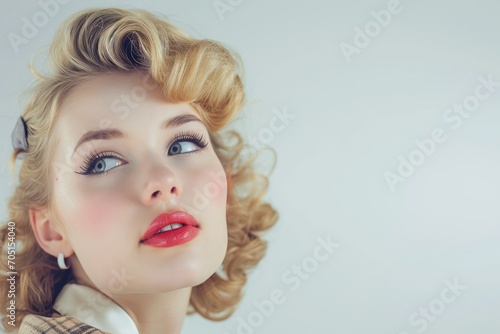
<point>162,185</point>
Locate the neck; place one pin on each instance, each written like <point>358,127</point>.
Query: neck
<point>157,313</point>
<point>151,312</point>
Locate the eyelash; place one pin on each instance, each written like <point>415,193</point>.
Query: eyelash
<point>94,156</point>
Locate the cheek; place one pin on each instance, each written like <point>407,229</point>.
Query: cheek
<point>208,186</point>
<point>98,213</point>
<point>85,214</point>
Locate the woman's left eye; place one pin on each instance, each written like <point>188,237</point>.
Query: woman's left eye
<point>187,142</point>
<point>181,147</point>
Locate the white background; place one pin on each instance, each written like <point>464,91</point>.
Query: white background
<point>352,122</point>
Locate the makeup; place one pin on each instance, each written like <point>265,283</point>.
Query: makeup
<point>171,229</point>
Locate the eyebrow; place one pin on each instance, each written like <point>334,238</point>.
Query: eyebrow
<point>113,133</point>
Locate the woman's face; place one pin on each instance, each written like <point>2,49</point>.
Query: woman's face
<point>108,190</point>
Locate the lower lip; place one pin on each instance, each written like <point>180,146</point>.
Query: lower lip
<point>171,238</point>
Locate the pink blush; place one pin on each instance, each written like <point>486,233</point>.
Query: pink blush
<point>98,213</point>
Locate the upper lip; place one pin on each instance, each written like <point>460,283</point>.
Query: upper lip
<point>164,219</point>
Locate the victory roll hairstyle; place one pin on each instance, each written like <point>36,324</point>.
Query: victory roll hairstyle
<point>200,72</point>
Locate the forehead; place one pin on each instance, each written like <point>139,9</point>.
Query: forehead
<point>128,101</point>
<point>107,92</point>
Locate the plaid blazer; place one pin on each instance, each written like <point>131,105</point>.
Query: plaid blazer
<point>35,324</point>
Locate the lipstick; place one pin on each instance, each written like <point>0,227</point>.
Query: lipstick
<point>171,229</point>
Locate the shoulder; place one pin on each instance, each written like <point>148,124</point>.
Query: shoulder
<point>35,324</point>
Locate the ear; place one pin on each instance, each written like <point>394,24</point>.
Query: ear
<point>48,235</point>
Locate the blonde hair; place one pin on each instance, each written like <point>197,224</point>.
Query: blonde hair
<point>200,72</point>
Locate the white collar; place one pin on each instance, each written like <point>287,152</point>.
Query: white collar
<point>94,308</point>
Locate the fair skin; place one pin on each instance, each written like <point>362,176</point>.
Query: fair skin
<point>97,221</point>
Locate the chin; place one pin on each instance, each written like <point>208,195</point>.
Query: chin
<point>189,275</point>
<point>197,274</point>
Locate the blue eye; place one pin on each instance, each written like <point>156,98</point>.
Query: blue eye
<point>97,163</point>
<point>187,142</point>
<point>177,148</point>
<point>101,165</point>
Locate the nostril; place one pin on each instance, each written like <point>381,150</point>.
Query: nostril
<point>155,194</point>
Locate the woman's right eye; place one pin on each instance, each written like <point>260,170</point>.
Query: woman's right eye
<point>100,164</point>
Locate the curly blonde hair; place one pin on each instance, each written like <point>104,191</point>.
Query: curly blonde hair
<point>200,72</point>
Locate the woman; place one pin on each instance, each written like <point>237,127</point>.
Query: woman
<point>132,209</point>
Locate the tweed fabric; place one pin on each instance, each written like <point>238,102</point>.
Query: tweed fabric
<point>34,324</point>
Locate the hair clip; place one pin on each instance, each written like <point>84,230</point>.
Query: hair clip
<point>19,137</point>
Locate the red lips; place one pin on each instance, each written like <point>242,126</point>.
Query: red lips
<point>171,237</point>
